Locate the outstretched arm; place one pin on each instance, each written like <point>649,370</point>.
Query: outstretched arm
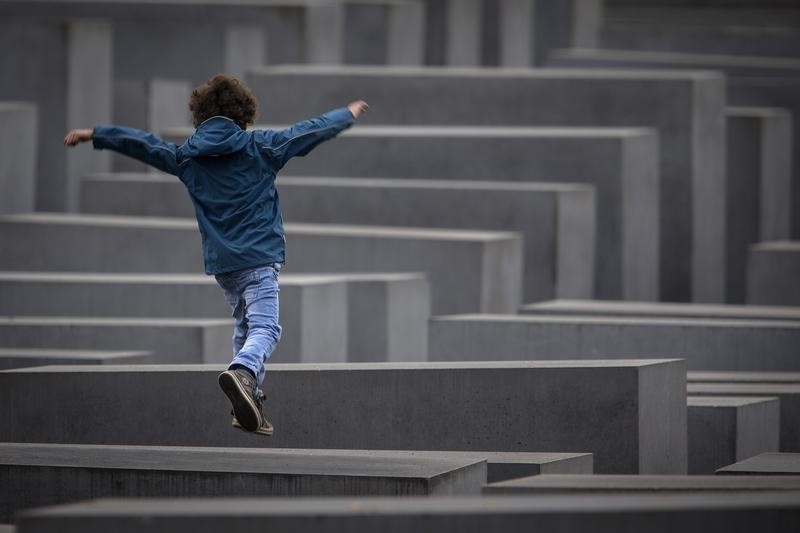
<point>301,138</point>
<point>134,143</point>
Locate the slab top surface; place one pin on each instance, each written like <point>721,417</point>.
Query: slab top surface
<point>649,483</point>
<point>336,506</point>
<point>766,463</point>
<point>209,459</point>
<point>410,366</point>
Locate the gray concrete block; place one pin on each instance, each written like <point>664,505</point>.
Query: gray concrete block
<point>43,43</point>
<point>468,270</point>
<point>557,222</point>
<point>167,104</point>
<point>716,36</point>
<point>744,377</point>
<point>723,430</point>
<point>766,464</point>
<point>500,465</point>
<point>27,357</point>
<point>18,149</point>
<point>687,109</point>
<point>170,340</point>
<point>621,163</point>
<point>787,393</point>
<point>772,273</point>
<point>88,98</point>
<point>599,484</point>
<point>661,310</point>
<point>626,513</point>
<point>420,406</point>
<point>710,344</point>
<point>35,475</point>
<point>406,34</point>
<point>313,308</point>
<point>387,316</point>
<point>759,184</point>
<point>751,82</point>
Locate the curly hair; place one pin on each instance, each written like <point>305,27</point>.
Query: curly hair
<point>225,96</point>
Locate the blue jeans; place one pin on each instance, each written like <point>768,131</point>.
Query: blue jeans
<point>253,296</point>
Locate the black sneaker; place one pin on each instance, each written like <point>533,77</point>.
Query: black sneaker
<point>240,387</point>
<point>264,427</point>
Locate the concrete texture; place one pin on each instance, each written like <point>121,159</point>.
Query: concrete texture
<point>420,406</point>
<point>770,464</point>
<point>313,308</point>
<point>687,109</point>
<point>387,317</point>
<point>772,273</point>
<point>705,344</point>
<point>170,340</point>
<point>468,270</point>
<point>18,129</point>
<point>661,310</point>
<point>500,465</point>
<point>612,159</point>
<point>741,28</point>
<point>626,513</point>
<point>557,222</point>
<point>758,204</point>
<point>723,430</point>
<point>28,357</point>
<point>89,95</point>
<point>41,43</point>
<point>717,38</point>
<point>510,33</point>
<point>598,484</point>
<point>787,393</point>
<point>35,475</point>
<point>744,377</point>
<point>752,82</point>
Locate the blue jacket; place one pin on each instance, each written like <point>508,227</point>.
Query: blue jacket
<point>230,175</point>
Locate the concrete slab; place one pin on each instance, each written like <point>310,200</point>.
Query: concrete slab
<point>313,308</point>
<point>686,108</point>
<point>412,406</point>
<point>599,484</point>
<point>627,513</point>
<point>744,377</point>
<point>36,475</point>
<point>766,464</point>
<point>752,82</point>
<point>723,430</point>
<point>787,393</point>
<point>557,221</point>
<point>170,340</point>
<point>759,187</point>
<point>705,344</point>
<point>28,357</point>
<point>661,310</point>
<point>18,150</point>
<point>772,273</point>
<point>468,270</point>
<point>387,316</point>
<point>500,465</point>
<point>716,37</point>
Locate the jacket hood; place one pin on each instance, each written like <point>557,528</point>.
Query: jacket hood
<point>215,136</point>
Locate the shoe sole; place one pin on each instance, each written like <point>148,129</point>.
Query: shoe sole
<point>259,431</point>
<point>244,408</point>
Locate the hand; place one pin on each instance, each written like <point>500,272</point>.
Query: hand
<point>78,136</point>
<point>357,107</point>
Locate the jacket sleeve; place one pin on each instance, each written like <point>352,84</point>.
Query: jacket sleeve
<point>301,138</point>
<point>137,144</point>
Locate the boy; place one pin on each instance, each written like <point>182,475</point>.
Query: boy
<point>230,175</point>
